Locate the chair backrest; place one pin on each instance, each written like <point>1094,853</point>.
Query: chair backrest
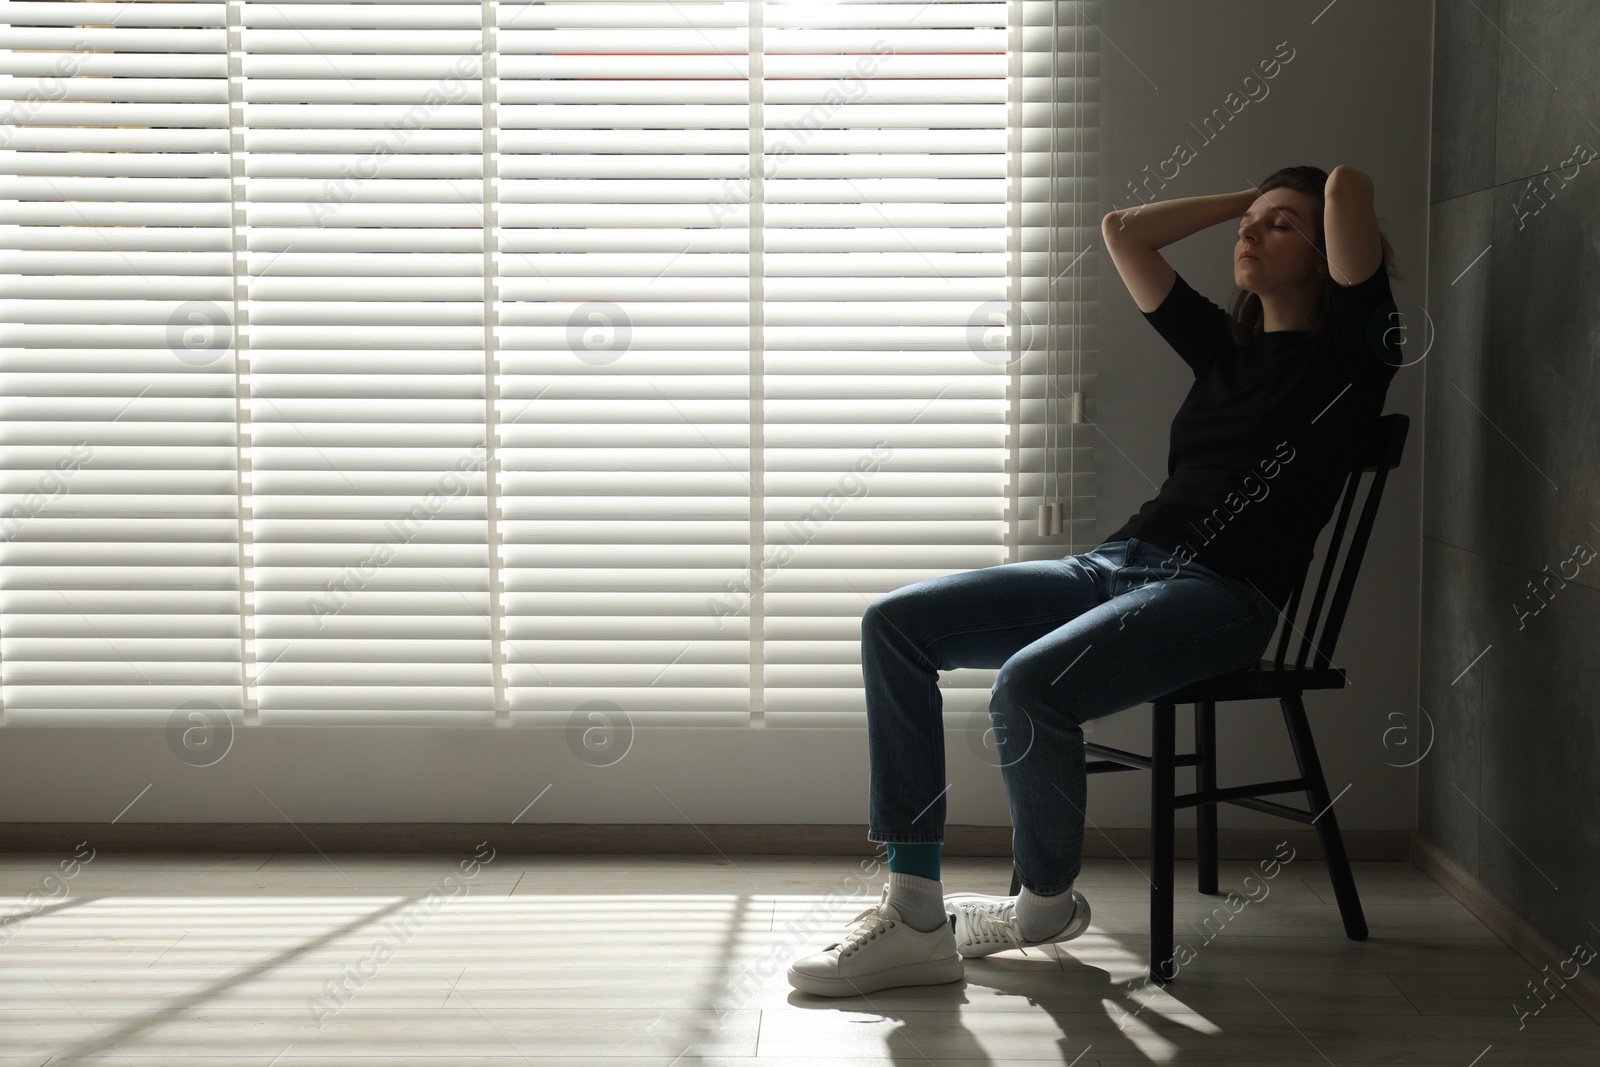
<point>1380,455</point>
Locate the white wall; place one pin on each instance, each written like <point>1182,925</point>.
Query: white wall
<point>1356,91</point>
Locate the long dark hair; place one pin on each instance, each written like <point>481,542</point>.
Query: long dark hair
<point>1245,320</point>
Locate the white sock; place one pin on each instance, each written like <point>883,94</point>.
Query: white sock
<point>1040,917</point>
<point>920,901</point>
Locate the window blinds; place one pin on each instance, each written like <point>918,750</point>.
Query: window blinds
<point>502,362</point>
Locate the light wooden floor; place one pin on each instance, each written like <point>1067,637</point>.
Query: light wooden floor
<point>653,961</point>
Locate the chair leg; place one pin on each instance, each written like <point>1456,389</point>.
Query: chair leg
<point>1016,881</point>
<point>1205,747</point>
<point>1305,754</point>
<point>1162,785</point>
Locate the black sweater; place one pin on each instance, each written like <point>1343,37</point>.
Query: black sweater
<point>1263,443</point>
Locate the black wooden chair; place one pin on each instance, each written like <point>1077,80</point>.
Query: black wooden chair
<point>1264,680</point>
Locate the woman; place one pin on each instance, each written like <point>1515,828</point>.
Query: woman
<point>1189,587</point>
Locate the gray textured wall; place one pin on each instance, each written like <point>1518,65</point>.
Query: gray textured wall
<point>1512,458</point>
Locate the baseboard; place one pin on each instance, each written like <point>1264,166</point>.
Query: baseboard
<point>1522,936</point>
<point>733,838</point>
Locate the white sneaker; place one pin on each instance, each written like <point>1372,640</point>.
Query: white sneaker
<point>879,952</point>
<point>986,924</point>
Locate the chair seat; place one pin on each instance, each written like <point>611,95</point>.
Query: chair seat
<point>1262,680</point>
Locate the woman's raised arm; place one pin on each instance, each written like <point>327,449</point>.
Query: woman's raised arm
<point>1158,224</point>
<point>1132,236</point>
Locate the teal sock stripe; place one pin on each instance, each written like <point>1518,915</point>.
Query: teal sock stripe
<point>920,860</point>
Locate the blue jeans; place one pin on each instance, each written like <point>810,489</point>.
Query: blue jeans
<point>1074,639</point>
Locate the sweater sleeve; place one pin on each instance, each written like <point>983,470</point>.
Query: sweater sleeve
<point>1195,327</point>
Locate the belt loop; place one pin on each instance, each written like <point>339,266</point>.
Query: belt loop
<point>1127,558</point>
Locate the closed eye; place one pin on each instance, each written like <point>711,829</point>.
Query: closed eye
<point>1275,226</point>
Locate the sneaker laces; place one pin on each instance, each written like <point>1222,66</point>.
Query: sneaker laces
<point>866,926</point>
<point>987,922</point>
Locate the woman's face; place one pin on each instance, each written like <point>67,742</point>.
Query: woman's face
<point>1281,235</point>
